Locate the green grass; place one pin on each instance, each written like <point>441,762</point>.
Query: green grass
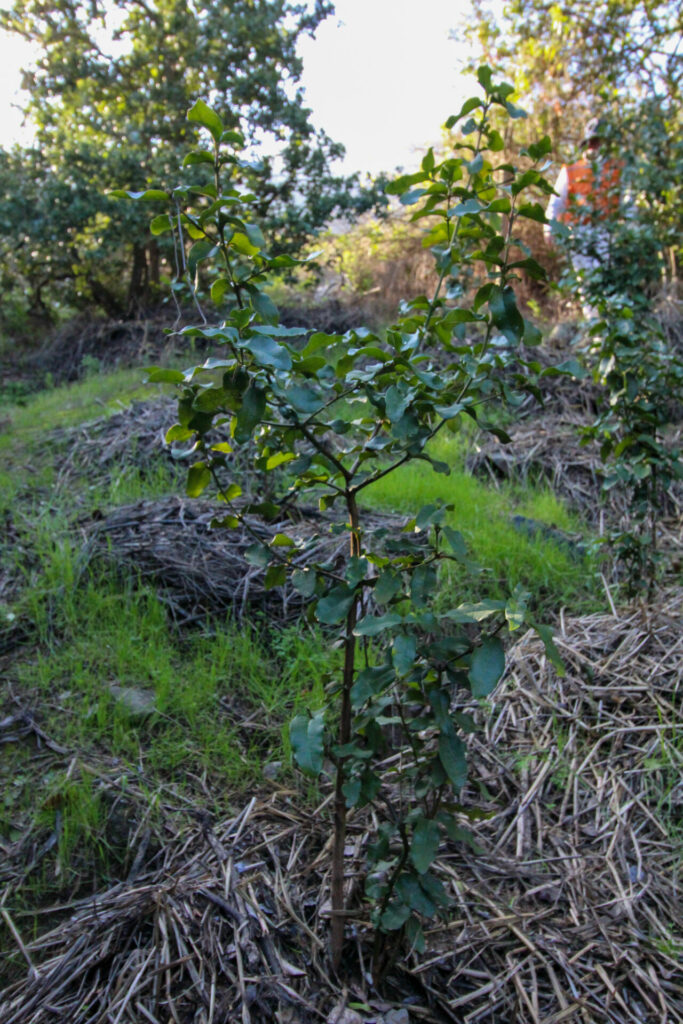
<point>70,404</point>
<point>483,515</point>
<point>205,687</point>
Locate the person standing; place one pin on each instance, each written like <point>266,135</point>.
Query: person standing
<point>587,197</point>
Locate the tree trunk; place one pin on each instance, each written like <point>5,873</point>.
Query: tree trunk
<point>153,250</point>
<point>339,841</point>
<point>139,279</point>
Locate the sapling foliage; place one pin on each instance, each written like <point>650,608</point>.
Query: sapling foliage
<point>333,414</point>
<point>626,350</point>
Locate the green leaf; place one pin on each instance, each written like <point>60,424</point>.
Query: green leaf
<point>412,893</point>
<point>268,352</point>
<point>198,479</point>
<point>452,754</point>
<point>265,307</point>
<point>496,142</point>
<point>158,225</point>
<point>351,790</point>
<point>423,585</point>
<point>475,612</point>
<point>551,650</point>
<point>202,114</point>
<point>408,198</point>
<point>513,111</point>
<point>282,540</point>
<point>234,138</point>
<point>484,73</point>
<point>387,586</point>
<point>306,735</point>
<point>533,211</point>
<point>255,236</point>
<point>335,605</point>
<point>242,245</point>
<point>468,106</point>
<point>276,576</point>
<point>219,290</point>
<point>178,433</point>
<point>370,682</point>
<point>160,375</point>
<point>394,917</point>
<point>425,844</point>
<point>415,935</point>
<point>533,269</point>
<point>537,150</point>
<point>487,667</point>
<point>456,542</point>
<point>303,581</point>
<point>198,156</point>
<point>504,312</point>
<point>258,555</point>
<point>201,250</point>
<point>148,195</point>
<point>404,653</point>
<point>304,398</point>
<point>374,625</point>
<point>230,492</point>
<point>469,207</point>
<point>502,205</point>
<point>568,368</point>
<point>273,461</point>
<point>251,413</point>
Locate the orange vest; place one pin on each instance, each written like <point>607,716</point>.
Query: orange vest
<point>599,194</point>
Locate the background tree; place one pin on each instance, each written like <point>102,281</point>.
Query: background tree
<point>621,60</point>
<point>108,98</point>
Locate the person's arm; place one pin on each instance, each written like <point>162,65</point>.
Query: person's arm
<point>557,204</point>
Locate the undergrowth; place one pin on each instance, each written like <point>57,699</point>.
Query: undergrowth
<point>222,695</point>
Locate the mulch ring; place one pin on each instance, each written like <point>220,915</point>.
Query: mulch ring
<point>567,914</point>
<point>199,570</point>
<point>549,449</point>
<point>134,437</point>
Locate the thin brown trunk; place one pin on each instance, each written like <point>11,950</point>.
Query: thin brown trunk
<point>337,883</point>
<point>139,277</point>
<point>153,251</point>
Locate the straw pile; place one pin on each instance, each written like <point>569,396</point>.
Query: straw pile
<point>198,570</point>
<point>570,913</point>
<point>567,914</point>
<point>548,449</point>
<point>135,436</point>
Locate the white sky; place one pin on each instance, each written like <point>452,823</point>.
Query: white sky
<point>381,77</point>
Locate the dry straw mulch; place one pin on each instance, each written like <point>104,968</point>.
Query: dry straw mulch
<point>200,570</point>
<point>548,448</point>
<point>567,914</point>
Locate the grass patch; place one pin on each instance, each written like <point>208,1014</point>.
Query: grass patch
<point>71,404</point>
<point>554,574</point>
<point>204,687</point>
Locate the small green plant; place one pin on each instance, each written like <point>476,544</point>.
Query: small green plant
<point>641,374</point>
<point>629,244</point>
<point>341,414</point>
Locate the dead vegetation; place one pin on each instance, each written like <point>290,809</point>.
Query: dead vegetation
<point>200,570</point>
<point>566,913</point>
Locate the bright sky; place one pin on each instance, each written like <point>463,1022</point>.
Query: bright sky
<point>381,77</point>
